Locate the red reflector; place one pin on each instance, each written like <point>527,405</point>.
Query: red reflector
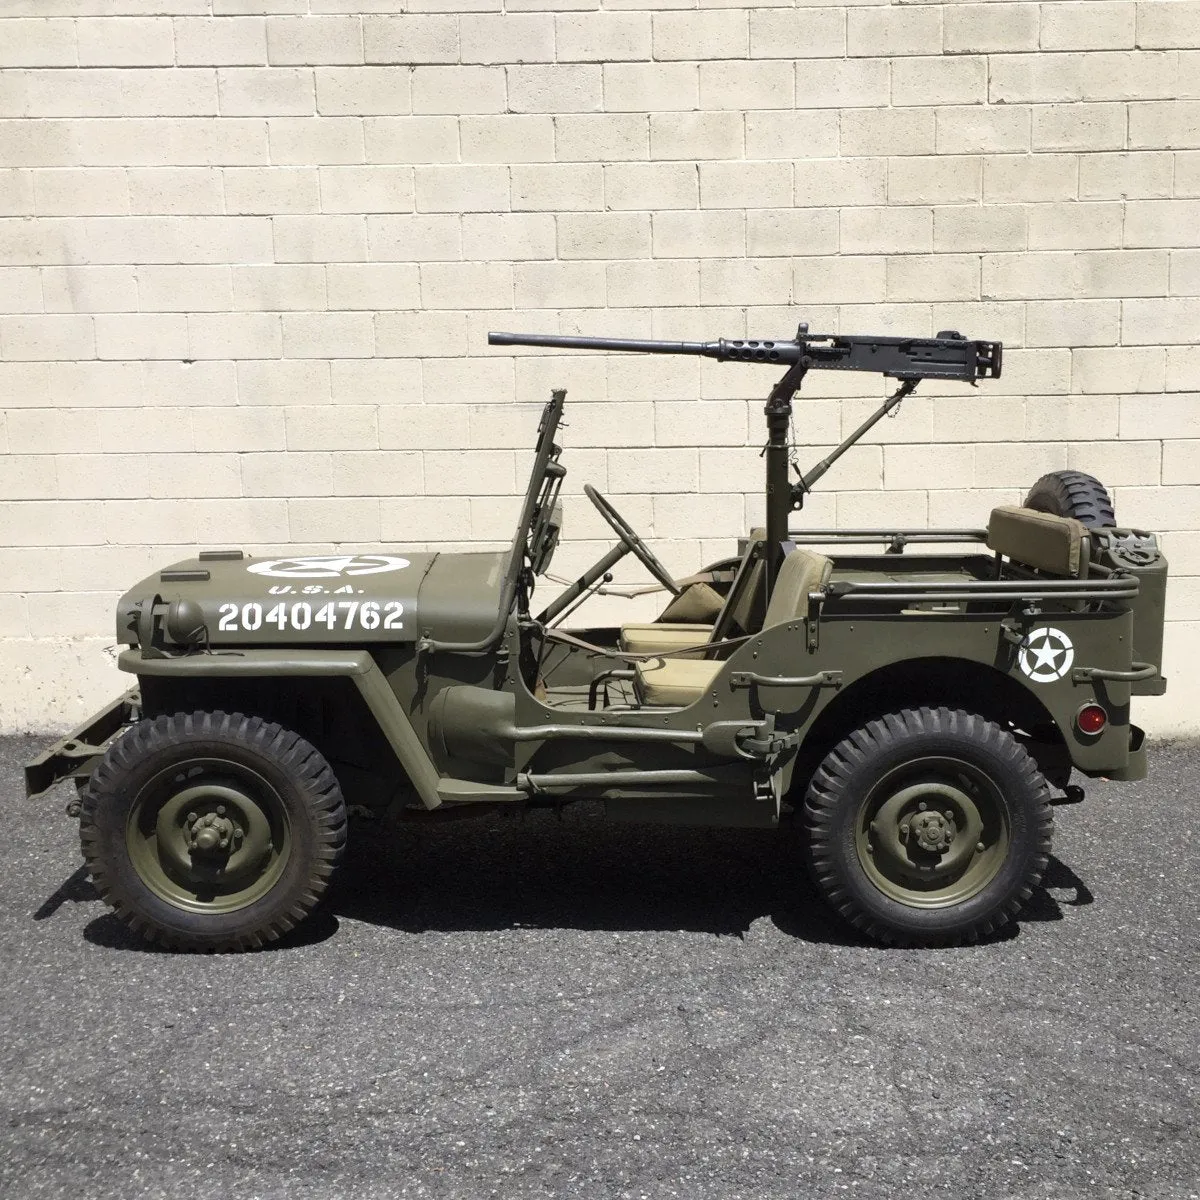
<point>1091,719</point>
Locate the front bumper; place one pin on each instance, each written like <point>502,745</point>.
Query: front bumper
<point>75,755</point>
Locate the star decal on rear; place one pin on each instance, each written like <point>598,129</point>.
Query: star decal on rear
<point>1046,655</point>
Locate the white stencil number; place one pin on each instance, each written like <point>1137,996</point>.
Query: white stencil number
<point>345,615</point>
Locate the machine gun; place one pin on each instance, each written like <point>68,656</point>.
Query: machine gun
<point>947,356</point>
<point>910,360</point>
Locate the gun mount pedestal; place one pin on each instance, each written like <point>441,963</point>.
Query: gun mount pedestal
<point>781,499</point>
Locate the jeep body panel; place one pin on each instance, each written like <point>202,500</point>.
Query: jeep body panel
<point>324,599</point>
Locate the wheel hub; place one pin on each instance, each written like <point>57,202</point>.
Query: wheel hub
<point>208,835</point>
<point>932,831</point>
<point>210,832</point>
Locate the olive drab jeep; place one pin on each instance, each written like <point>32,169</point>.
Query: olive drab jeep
<point>918,713</point>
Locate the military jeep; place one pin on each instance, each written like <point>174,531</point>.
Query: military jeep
<point>918,713</point>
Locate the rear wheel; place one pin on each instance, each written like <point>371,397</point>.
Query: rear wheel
<point>928,827</point>
<point>212,831</point>
<point>1073,494</point>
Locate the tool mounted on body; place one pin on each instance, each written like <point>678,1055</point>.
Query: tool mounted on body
<point>947,356</point>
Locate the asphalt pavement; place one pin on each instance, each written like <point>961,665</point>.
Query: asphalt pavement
<point>511,1008</point>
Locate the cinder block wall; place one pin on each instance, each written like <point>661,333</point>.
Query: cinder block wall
<point>250,251</point>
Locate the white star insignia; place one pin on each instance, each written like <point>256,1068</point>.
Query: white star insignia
<point>1046,655</point>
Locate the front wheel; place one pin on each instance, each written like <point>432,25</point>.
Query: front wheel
<point>928,827</point>
<point>212,831</point>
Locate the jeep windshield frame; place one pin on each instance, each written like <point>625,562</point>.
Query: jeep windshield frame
<point>545,477</point>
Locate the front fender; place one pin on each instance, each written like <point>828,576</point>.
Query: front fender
<point>357,665</point>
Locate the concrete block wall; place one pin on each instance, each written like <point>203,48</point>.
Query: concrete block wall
<point>250,251</point>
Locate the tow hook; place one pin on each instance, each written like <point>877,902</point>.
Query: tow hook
<point>1072,794</point>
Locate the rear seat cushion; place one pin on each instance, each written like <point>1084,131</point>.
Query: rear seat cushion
<point>662,636</point>
<point>1040,540</point>
<point>675,682</point>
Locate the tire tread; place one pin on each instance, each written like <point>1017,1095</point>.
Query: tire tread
<point>1073,494</point>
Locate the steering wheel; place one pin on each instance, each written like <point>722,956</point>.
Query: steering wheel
<point>631,540</point>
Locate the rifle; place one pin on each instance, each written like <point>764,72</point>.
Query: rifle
<point>910,360</point>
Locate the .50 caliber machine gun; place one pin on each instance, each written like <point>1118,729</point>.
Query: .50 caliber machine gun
<point>947,356</point>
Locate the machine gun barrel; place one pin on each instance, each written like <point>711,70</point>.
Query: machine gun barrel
<point>631,345</point>
<point>947,356</point>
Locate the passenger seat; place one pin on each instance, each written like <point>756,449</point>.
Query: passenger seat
<point>688,622</point>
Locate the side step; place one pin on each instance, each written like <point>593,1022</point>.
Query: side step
<point>468,791</point>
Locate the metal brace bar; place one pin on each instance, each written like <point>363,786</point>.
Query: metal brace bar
<point>1136,672</point>
<point>822,679</point>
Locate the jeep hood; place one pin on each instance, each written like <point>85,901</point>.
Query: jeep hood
<point>222,598</point>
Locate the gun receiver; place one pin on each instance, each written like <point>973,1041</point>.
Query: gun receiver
<point>947,356</point>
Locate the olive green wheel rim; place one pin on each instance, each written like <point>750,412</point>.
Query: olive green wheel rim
<point>209,835</point>
<point>933,832</point>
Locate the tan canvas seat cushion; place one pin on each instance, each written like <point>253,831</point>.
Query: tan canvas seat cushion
<point>801,572</point>
<point>1038,539</point>
<point>662,636</point>
<point>698,602</point>
<point>676,682</point>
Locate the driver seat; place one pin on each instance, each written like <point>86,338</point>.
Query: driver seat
<point>695,615</point>
<point>677,682</point>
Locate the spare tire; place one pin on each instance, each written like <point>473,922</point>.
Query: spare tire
<point>1073,494</point>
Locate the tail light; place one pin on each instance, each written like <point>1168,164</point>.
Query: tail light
<point>1091,719</point>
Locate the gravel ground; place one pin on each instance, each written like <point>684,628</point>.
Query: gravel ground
<point>545,1008</point>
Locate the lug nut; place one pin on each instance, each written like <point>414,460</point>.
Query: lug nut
<point>904,831</point>
<point>922,806</point>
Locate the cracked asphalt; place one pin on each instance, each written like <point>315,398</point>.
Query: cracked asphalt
<point>544,1008</point>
